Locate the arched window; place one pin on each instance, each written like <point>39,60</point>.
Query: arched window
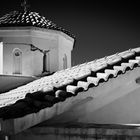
<point>65,61</point>
<point>17,61</point>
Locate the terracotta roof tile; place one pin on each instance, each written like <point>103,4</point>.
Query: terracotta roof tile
<point>49,90</point>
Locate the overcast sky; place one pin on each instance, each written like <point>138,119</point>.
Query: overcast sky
<point>101,28</point>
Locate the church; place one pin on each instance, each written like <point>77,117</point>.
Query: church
<point>32,46</point>
<point>43,97</point>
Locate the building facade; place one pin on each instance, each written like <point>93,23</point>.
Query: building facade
<point>32,45</point>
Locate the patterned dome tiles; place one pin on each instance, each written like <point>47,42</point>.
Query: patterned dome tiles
<point>28,18</point>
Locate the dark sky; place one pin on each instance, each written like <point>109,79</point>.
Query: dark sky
<point>101,28</point>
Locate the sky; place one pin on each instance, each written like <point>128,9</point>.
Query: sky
<point>101,28</point>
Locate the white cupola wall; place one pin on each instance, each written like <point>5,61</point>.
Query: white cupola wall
<point>29,51</point>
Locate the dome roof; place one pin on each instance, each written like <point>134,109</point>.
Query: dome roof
<point>28,18</point>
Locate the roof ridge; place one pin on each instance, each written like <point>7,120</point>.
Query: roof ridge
<point>69,82</point>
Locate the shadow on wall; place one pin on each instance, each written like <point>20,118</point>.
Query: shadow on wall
<point>71,114</point>
<point>138,80</point>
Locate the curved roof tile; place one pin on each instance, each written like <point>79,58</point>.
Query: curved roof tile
<point>113,72</point>
<point>120,68</point>
<point>93,80</point>
<point>47,91</point>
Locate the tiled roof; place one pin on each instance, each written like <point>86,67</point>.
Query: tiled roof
<point>49,90</point>
<point>28,18</point>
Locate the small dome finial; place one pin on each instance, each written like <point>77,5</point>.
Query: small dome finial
<point>25,5</point>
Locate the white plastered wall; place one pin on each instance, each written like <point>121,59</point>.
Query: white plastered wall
<point>46,41</point>
<point>65,47</point>
<point>32,62</point>
<point>27,59</point>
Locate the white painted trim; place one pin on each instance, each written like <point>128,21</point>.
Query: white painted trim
<point>38,31</point>
<point>1,57</point>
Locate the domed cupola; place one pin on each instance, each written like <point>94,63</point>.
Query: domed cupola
<point>42,45</point>
<point>25,17</point>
